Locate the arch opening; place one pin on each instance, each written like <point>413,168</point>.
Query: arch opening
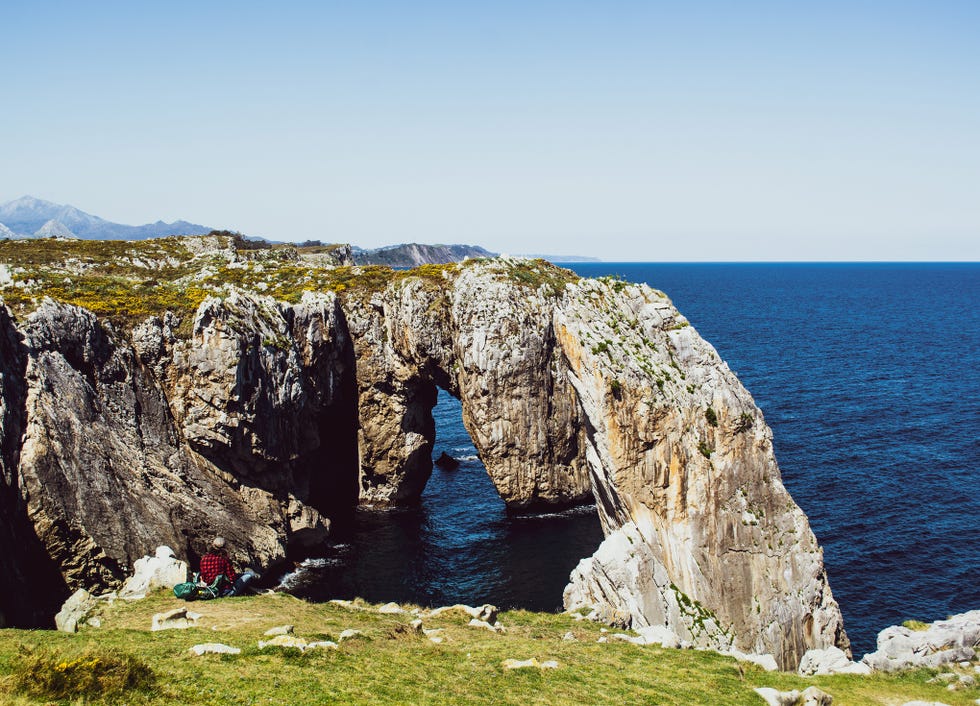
<point>458,544</point>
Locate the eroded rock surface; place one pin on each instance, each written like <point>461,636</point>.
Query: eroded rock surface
<point>263,417</point>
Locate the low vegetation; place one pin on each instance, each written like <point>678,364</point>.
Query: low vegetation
<point>390,663</point>
<point>127,282</point>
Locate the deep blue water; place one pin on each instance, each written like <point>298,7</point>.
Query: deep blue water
<point>869,375</point>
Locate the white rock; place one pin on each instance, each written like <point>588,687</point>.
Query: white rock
<point>279,630</point>
<point>767,662</point>
<point>416,625</point>
<point>659,635</point>
<point>437,640</point>
<point>214,648</point>
<point>924,703</point>
<point>486,612</point>
<point>529,664</point>
<point>349,634</point>
<point>391,609</point>
<point>176,619</point>
<point>812,696</point>
<point>74,610</point>
<point>484,624</point>
<point>322,645</point>
<point>569,637</point>
<point>94,622</point>
<point>162,570</point>
<point>942,642</point>
<point>774,697</point>
<point>830,660</point>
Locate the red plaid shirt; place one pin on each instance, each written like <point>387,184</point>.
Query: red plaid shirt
<point>214,564</point>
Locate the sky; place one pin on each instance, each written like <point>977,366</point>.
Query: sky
<point>649,131</point>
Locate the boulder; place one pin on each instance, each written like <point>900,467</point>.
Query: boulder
<point>284,641</point>
<point>812,696</point>
<point>74,610</point>
<point>391,609</point>
<point>162,570</point>
<point>176,619</point>
<point>830,660</point>
<point>349,634</point>
<point>492,627</point>
<point>447,462</point>
<point>941,642</point>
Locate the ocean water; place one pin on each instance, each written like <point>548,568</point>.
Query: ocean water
<point>869,375</point>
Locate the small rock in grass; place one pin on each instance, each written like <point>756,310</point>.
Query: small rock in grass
<point>279,630</point>
<point>284,641</point>
<point>350,634</point>
<point>176,619</point>
<point>483,624</point>
<point>391,609</point>
<point>437,640</point>
<point>774,697</point>
<point>569,637</point>
<point>321,645</point>
<point>214,648</point>
<point>812,696</point>
<point>416,625</point>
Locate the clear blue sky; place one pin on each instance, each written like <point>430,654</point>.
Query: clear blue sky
<point>624,130</point>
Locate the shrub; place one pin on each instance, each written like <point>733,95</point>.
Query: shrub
<point>93,673</point>
<point>709,414</point>
<point>916,625</point>
<point>705,450</point>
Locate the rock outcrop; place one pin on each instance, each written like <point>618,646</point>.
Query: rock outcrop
<point>927,645</point>
<point>263,418</point>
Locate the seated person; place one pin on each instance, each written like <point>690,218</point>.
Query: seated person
<point>216,562</point>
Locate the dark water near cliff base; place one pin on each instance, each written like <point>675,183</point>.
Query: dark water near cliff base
<point>869,375</point>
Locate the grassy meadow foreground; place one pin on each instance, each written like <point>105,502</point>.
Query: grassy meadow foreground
<point>392,663</point>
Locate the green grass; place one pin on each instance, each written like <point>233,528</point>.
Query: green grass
<point>391,665</point>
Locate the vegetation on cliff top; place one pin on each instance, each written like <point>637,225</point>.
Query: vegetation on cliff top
<point>129,281</point>
<point>389,663</point>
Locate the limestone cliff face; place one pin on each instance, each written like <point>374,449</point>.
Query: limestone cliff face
<point>263,418</point>
<point>701,534</point>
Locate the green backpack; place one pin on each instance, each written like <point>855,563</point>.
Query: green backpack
<point>195,591</point>
<point>187,591</point>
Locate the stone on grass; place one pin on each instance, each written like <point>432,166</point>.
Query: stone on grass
<point>812,696</point>
<point>176,619</point>
<point>284,641</point>
<point>279,630</point>
<point>391,609</point>
<point>321,645</point>
<point>416,625</point>
<point>215,648</point>
<point>569,637</point>
<point>831,660</point>
<point>163,570</point>
<point>941,642</point>
<point>74,610</point>
<point>767,662</point>
<point>350,634</point>
<point>774,697</point>
<point>486,612</point>
<point>659,634</point>
<point>924,703</point>
<point>529,664</point>
<point>485,625</point>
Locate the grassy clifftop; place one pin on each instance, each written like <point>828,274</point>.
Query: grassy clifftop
<point>128,281</point>
<point>390,663</point>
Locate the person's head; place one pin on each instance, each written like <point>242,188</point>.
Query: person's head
<point>218,544</point>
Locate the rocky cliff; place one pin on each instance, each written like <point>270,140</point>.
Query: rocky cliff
<point>171,390</point>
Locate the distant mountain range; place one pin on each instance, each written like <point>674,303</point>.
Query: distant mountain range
<point>28,217</point>
<point>415,254</point>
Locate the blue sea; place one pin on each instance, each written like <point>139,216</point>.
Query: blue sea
<point>868,374</point>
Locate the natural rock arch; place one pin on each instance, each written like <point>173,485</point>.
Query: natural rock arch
<point>271,414</point>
